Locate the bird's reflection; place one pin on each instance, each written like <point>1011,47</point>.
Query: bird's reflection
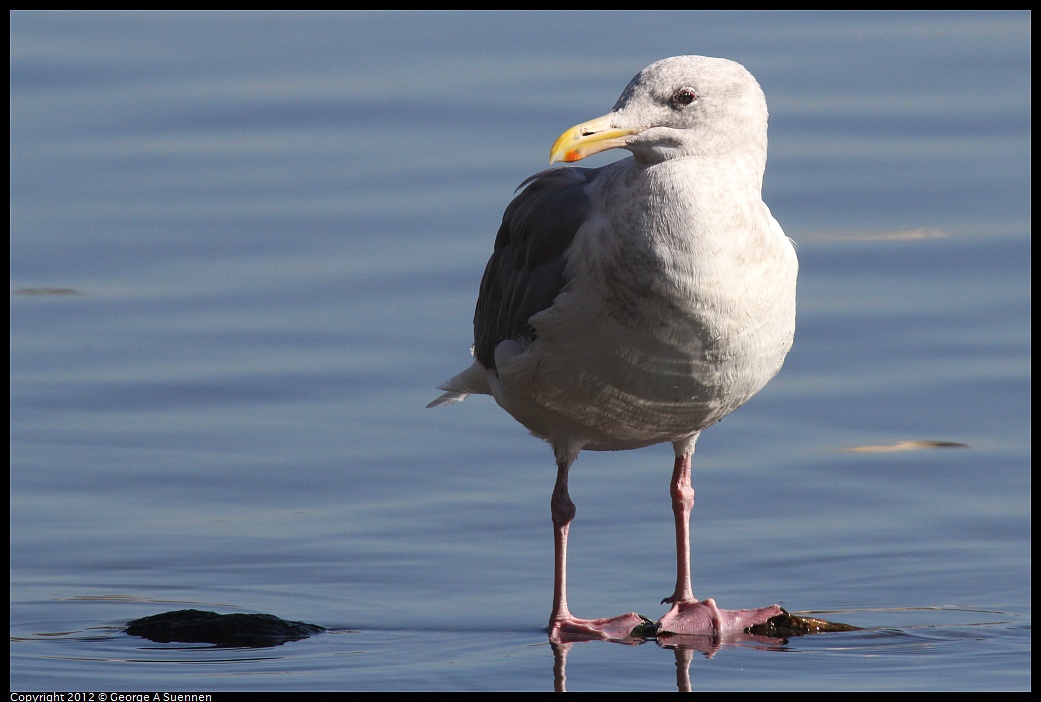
<point>772,635</point>
<point>682,646</point>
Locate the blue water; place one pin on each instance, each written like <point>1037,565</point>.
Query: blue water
<point>246,247</point>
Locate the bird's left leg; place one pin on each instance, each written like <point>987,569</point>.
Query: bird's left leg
<point>688,614</point>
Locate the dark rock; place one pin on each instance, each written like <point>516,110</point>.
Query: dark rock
<point>196,626</point>
<point>786,625</point>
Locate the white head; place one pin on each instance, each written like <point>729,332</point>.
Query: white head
<point>677,107</point>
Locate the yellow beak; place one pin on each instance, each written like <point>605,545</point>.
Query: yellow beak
<point>587,139</point>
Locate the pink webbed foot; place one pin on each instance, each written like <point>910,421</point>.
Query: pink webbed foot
<point>704,618</point>
<point>572,629</point>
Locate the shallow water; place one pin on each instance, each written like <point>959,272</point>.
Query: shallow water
<point>246,247</point>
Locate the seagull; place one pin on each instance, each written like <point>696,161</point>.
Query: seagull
<point>640,302</point>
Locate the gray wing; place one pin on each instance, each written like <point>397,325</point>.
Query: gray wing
<point>527,269</point>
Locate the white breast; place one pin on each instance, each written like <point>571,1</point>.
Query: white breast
<point>670,321</point>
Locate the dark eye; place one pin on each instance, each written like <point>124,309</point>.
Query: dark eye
<point>683,97</point>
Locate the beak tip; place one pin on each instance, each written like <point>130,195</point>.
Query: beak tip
<point>563,157</point>
<point>587,139</point>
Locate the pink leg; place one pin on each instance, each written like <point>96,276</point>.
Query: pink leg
<point>689,615</point>
<point>682,493</point>
<point>563,626</point>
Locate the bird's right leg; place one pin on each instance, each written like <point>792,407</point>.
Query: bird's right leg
<point>563,626</point>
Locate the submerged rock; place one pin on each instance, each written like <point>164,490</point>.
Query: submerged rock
<point>197,626</point>
<point>786,624</point>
